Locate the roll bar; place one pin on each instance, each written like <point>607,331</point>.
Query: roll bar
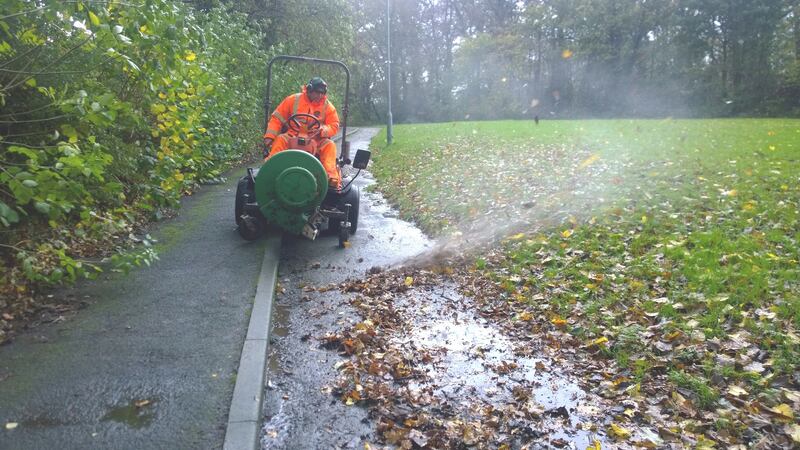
<point>345,158</point>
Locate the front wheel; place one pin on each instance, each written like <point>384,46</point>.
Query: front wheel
<point>344,237</point>
<point>353,197</point>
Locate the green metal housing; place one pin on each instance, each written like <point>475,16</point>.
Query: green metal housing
<point>289,187</point>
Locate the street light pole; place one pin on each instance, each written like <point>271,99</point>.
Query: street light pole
<point>389,133</point>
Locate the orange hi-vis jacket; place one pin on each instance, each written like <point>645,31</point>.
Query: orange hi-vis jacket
<point>299,104</point>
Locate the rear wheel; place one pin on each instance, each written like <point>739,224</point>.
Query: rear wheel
<point>250,228</point>
<point>241,188</point>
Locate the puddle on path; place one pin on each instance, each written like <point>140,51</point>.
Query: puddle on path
<point>280,319</point>
<point>475,366</point>
<point>132,415</point>
<point>42,422</point>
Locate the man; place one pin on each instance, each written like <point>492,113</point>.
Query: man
<point>312,100</point>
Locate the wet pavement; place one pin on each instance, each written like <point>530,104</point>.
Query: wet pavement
<point>300,411</point>
<point>474,366</point>
<point>150,362</point>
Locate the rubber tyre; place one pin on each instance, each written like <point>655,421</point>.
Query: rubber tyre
<point>238,209</point>
<point>353,197</point>
<point>344,237</point>
<point>250,229</point>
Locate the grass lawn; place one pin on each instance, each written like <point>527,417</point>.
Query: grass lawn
<point>669,245</point>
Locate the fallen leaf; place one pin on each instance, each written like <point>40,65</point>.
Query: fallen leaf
<point>11,425</point>
<point>793,431</point>
<point>409,281</point>
<point>784,411</point>
<point>737,391</point>
<point>619,432</point>
<point>418,438</point>
<point>598,342</point>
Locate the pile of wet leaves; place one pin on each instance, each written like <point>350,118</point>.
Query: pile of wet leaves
<point>438,370</point>
<point>444,357</point>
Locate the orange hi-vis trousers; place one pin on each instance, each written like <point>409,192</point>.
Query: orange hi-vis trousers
<point>327,156</point>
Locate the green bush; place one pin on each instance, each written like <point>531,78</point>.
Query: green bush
<point>110,112</point>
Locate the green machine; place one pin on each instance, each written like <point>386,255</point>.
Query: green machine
<point>290,190</point>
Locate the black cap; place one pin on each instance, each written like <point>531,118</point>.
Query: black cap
<point>317,84</point>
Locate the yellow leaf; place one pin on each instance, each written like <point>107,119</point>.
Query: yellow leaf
<point>190,55</point>
<point>409,281</point>
<point>784,410</point>
<point>179,176</point>
<point>526,316</point>
<point>94,19</point>
<point>349,401</point>
<point>589,161</point>
<point>619,432</point>
<point>566,233</point>
<point>785,187</point>
<point>11,425</point>
<point>793,430</point>
<point>737,391</point>
<point>517,237</point>
<point>598,342</point>
<point>644,219</point>
<point>558,322</point>
<point>595,445</point>
<point>202,130</point>
<point>143,29</point>
<point>772,147</point>
<point>566,54</point>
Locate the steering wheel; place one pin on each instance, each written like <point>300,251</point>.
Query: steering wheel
<point>297,121</point>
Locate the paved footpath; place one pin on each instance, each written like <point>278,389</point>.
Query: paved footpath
<point>151,362</point>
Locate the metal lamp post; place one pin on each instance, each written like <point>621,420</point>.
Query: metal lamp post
<point>389,133</point>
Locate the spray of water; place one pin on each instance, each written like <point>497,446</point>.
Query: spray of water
<point>571,198</point>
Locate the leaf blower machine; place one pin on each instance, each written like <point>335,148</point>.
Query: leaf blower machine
<point>290,190</point>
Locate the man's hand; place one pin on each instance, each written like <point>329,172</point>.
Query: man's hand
<point>314,134</point>
<point>267,146</point>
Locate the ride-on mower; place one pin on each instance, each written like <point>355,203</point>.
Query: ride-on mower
<point>290,190</point>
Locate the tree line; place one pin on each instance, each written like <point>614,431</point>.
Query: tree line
<point>494,59</point>
<point>110,111</point>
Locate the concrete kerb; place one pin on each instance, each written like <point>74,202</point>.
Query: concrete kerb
<point>245,411</point>
<point>244,416</point>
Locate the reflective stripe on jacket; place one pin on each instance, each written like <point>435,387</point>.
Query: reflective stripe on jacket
<point>300,104</point>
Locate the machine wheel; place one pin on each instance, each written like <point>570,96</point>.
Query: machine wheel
<point>353,197</point>
<point>241,188</point>
<point>344,236</point>
<point>250,228</point>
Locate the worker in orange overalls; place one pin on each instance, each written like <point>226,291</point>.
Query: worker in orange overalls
<point>312,100</point>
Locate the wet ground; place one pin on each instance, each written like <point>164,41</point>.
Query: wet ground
<point>473,368</point>
<point>465,369</point>
<point>300,411</point>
